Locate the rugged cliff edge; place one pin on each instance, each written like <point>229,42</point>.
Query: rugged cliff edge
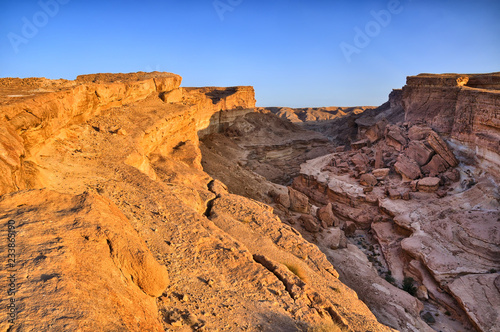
<point>128,202</point>
<point>112,223</point>
<point>463,106</point>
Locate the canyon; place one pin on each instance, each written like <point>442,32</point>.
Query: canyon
<point>131,203</point>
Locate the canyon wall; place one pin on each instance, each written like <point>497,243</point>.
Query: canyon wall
<point>466,107</point>
<point>405,192</point>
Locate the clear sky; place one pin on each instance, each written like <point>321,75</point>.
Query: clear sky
<point>295,53</point>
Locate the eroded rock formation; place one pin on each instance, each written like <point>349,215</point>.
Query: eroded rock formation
<point>412,185</point>
<point>462,106</point>
<point>119,228</point>
<point>189,209</point>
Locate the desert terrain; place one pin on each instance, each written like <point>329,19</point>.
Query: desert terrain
<point>131,203</point>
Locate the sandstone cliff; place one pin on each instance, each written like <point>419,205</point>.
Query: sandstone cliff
<point>117,227</point>
<point>465,107</point>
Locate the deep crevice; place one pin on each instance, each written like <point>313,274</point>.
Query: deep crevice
<point>210,203</point>
<point>110,247</point>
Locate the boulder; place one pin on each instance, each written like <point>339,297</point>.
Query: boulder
<point>419,152</point>
<point>325,214</point>
<point>442,149</point>
<point>452,175</point>
<point>381,173</point>
<point>436,166</point>
<point>428,318</point>
<point>360,160</point>
<point>422,293</point>
<point>281,198</point>
<point>336,239</point>
<point>395,138</point>
<point>407,167</point>
<point>372,198</point>
<point>367,190</point>
<point>441,193</point>
<point>418,132</point>
<point>428,184</point>
<point>298,201</point>
<point>359,144</point>
<point>284,200</point>
<point>393,193</point>
<point>309,223</point>
<point>349,228</point>
<point>405,194</point>
<point>368,180</point>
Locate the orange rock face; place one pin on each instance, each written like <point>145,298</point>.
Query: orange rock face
<point>79,256</point>
<point>118,227</point>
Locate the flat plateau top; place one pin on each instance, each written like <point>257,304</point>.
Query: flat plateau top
<point>17,89</point>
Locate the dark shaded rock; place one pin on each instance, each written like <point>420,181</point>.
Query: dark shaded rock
<point>436,166</point>
<point>419,152</point>
<point>407,167</point>
<point>368,180</point>
<point>309,223</point>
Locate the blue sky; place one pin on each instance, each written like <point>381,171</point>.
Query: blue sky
<point>295,53</point>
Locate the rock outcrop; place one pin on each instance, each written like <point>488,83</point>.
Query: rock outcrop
<point>74,252</point>
<point>304,115</point>
<point>463,106</point>
<point>478,296</point>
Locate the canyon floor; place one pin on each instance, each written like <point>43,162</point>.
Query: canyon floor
<point>129,203</point>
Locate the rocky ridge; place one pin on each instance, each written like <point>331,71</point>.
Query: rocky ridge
<point>117,226</point>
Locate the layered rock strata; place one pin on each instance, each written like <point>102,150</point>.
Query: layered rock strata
<point>463,106</point>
